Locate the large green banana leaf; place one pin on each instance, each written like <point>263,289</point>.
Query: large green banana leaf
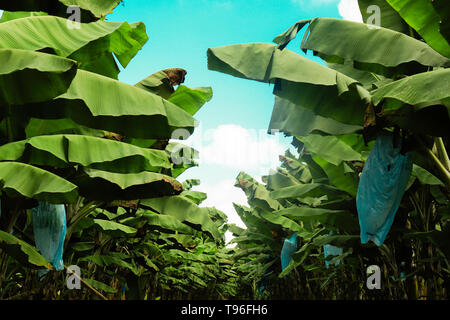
<point>167,222</point>
<point>19,179</point>
<point>280,220</point>
<point>123,108</point>
<point>280,179</point>
<point>108,186</point>
<point>427,23</point>
<point>185,211</point>
<point>342,219</point>
<point>195,196</point>
<point>103,154</point>
<point>91,45</point>
<point>191,99</point>
<point>257,195</point>
<point>368,79</point>
<point>11,15</point>
<point>443,9</point>
<point>157,83</point>
<point>182,156</point>
<point>308,190</point>
<point>389,18</point>
<point>22,251</point>
<point>113,228</point>
<point>297,79</point>
<point>337,175</point>
<point>253,222</point>
<point>188,99</point>
<point>380,50</point>
<point>330,148</point>
<point>294,120</point>
<point>36,127</point>
<point>99,8</point>
<point>27,76</point>
<point>425,177</point>
<point>424,87</point>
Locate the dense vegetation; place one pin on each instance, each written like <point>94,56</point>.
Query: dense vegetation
<point>389,80</point>
<point>72,134</point>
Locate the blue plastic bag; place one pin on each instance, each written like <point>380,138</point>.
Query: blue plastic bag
<point>330,250</point>
<point>289,247</point>
<point>263,283</point>
<point>49,227</point>
<point>381,187</point>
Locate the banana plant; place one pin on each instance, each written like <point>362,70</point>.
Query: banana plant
<point>393,80</point>
<point>72,134</point>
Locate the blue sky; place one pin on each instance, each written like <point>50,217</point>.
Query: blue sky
<point>233,124</point>
<point>232,133</point>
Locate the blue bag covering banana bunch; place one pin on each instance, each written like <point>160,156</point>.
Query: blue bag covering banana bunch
<point>330,250</point>
<point>381,187</point>
<point>263,283</point>
<point>49,227</point>
<point>289,247</point>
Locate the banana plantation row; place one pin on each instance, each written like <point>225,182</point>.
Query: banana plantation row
<point>89,193</point>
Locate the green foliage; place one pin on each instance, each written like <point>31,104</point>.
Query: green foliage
<point>377,78</point>
<point>71,133</point>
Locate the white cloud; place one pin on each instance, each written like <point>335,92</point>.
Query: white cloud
<point>1,13</point>
<point>349,10</point>
<point>233,146</point>
<point>222,195</point>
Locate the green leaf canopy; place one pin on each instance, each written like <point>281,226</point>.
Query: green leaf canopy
<point>378,50</point>
<point>27,76</point>
<point>297,79</point>
<point>103,154</point>
<point>92,45</point>
<point>427,24</point>
<point>123,108</point>
<point>19,179</point>
<point>184,210</point>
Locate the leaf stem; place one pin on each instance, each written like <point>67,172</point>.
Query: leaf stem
<point>445,173</point>
<point>441,168</point>
<point>442,152</point>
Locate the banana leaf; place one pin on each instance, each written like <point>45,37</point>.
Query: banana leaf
<point>297,79</point>
<point>23,180</point>
<point>123,109</point>
<point>427,24</point>
<point>295,120</point>
<point>185,211</point>
<point>11,15</point>
<point>428,88</point>
<point>102,154</point>
<point>22,251</point>
<point>92,45</point>
<point>27,76</point>
<point>378,50</point>
<point>108,186</point>
<point>389,18</point>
